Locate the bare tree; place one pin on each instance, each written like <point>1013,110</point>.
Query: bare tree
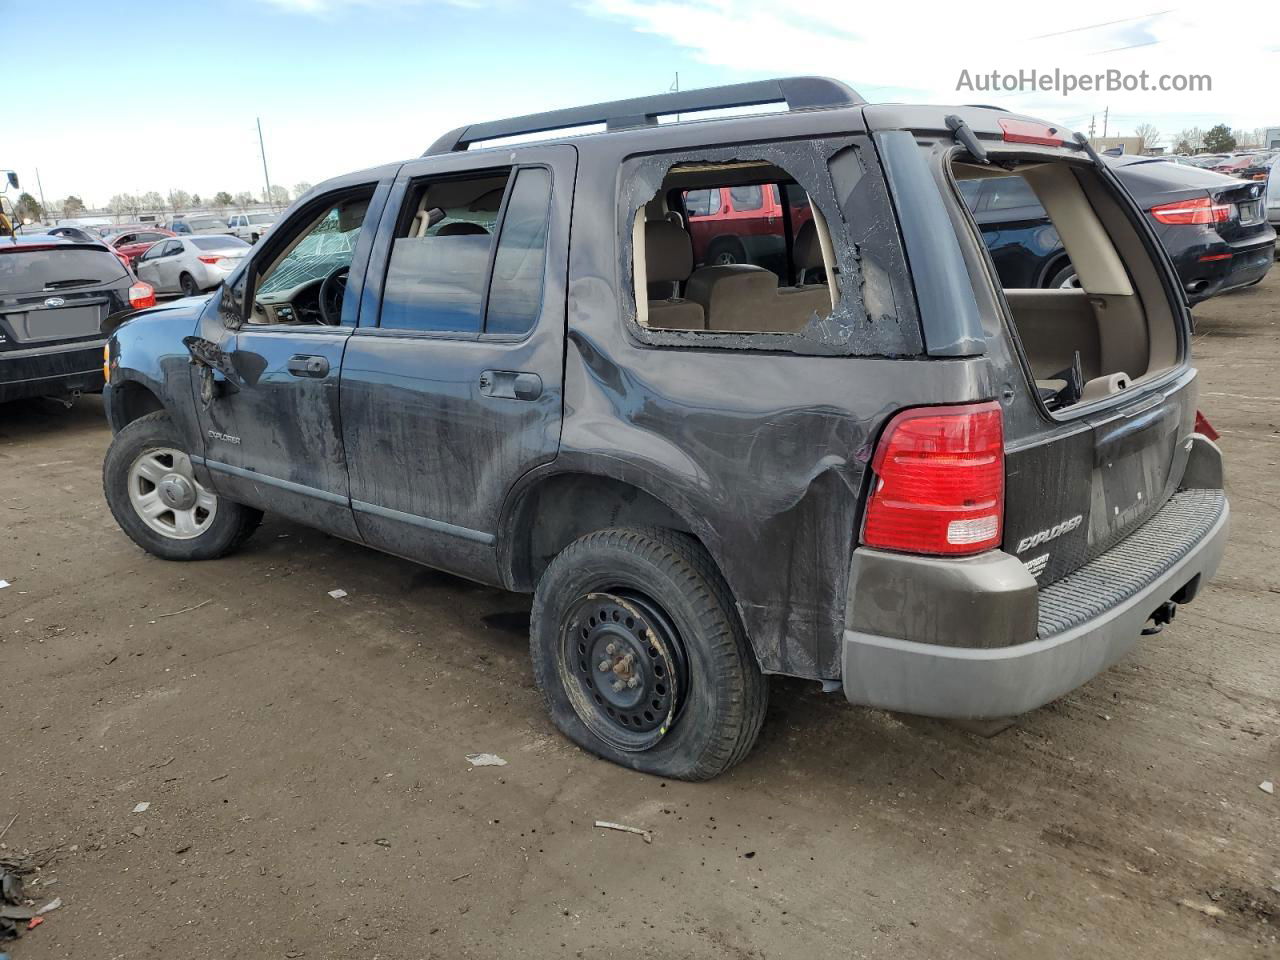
<point>300,188</point>
<point>243,199</point>
<point>1190,140</point>
<point>124,203</point>
<point>279,195</point>
<point>1149,135</point>
<point>179,200</point>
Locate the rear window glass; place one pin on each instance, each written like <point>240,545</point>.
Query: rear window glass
<point>33,271</point>
<point>261,217</point>
<point>1165,175</point>
<point>216,243</point>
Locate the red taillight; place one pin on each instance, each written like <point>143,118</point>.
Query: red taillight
<point>208,259</point>
<point>1028,131</point>
<point>1205,427</point>
<point>1196,210</point>
<point>938,484</point>
<point>142,295</point>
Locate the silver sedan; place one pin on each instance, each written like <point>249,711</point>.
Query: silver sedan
<point>190,265</point>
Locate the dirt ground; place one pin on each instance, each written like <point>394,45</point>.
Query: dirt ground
<point>304,759</point>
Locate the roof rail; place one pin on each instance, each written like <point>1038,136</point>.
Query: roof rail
<point>798,93</point>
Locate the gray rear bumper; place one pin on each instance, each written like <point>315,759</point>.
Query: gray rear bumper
<point>969,682</point>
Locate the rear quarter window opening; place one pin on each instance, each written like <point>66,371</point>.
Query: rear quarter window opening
<point>1097,319</point>
<point>749,248</point>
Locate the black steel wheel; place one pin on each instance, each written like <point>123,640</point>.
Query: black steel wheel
<point>669,687</point>
<point>624,667</point>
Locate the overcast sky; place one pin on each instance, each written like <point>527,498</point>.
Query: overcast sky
<point>110,98</point>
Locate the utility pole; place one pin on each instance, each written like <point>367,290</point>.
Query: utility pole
<point>675,88</point>
<point>266,177</point>
<point>1105,114</point>
<point>1093,121</point>
<point>40,190</point>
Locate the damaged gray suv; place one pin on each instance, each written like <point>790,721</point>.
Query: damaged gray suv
<point>730,397</point>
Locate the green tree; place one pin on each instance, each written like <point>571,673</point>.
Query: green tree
<point>1219,139</point>
<point>196,201</point>
<point>222,199</point>
<point>28,208</point>
<point>72,206</point>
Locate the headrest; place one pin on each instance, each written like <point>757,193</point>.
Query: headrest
<point>668,251</point>
<point>808,251</point>
<point>462,228</point>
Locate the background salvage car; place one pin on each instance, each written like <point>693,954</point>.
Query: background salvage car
<point>189,265</point>
<point>55,295</point>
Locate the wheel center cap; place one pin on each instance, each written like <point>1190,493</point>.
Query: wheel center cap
<point>177,492</point>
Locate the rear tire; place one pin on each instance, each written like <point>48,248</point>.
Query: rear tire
<point>189,286</point>
<point>726,251</point>
<point>147,480</point>
<point>641,657</point>
<point>1064,279</point>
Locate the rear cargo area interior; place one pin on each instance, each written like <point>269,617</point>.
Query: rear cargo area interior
<point>732,248</point>
<point>1116,327</point>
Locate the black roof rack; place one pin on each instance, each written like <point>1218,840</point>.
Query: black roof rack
<point>798,93</point>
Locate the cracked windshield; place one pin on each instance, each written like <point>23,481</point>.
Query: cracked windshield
<point>327,246</point>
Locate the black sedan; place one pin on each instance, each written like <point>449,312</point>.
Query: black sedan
<point>1214,227</point>
<point>55,294</point>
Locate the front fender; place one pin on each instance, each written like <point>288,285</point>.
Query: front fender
<point>147,350</point>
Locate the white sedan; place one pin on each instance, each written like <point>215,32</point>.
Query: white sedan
<point>190,265</point>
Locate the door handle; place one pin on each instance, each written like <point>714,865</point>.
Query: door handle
<point>510,385</point>
<point>308,365</point>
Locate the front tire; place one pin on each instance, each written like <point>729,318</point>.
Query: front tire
<point>641,657</point>
<point>156,499</point>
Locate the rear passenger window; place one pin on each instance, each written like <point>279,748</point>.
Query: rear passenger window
<point>515,292</point>
<point>746,198</point>
<point>439,276</point>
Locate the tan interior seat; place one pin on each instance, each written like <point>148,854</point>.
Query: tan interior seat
<point>668,252</point>
<point>805,299</point>
<point>738,296</point>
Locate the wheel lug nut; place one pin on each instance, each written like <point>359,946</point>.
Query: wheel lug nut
<point>611,649</point>
<point>604,666</point>
<point>633,682</point>
<point>617,686</point>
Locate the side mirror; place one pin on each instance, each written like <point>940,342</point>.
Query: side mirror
<point>13,180</point>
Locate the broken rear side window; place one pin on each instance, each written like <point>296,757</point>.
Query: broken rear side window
<point>748,248</point>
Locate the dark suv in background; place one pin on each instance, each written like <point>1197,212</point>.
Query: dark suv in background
<point>55,294</point>
<point>870,465</point>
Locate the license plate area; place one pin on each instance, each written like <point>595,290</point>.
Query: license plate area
<point>1132,465</point>
<point>56,323</point>
<point>1250,212</point>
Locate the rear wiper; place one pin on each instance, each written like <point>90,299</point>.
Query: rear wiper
<point>965,136</point>
<point>59,284</point>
